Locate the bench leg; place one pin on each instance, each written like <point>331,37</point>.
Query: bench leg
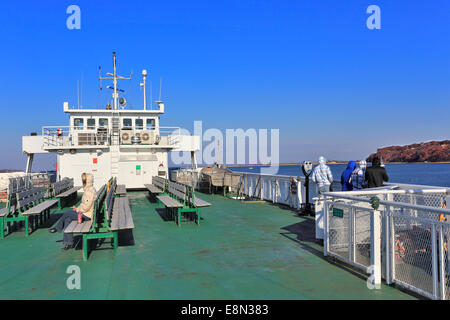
<point>116,241</point>
<point>2,226</point>
<point>26,227</point>
<point>178,216</point>
<point>198,215</point>
<point>85,247</point>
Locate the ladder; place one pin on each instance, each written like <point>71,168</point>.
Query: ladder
<point>115,134</point>
<point>115,141</point>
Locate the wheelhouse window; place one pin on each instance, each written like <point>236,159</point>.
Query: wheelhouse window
<point>91,124</point>
<point>127,123</point>
<point>139,124</point>
<point>150,124</point>
<point>78,123</point>
<point>103,122</point>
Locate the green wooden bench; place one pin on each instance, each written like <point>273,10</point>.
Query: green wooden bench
<point>158,187</point>
<point>63,191</point>
<point>29,206</point>
<point>7,211</point>
<point>110,215</point>
<point>181,199</point>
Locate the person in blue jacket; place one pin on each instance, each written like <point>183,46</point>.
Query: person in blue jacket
<point>346,176</point>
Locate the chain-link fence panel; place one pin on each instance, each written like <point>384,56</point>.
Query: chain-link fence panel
<point>362,237</point>
<point>338,231</point>
<point>413,253</point>
<point>427,199</point>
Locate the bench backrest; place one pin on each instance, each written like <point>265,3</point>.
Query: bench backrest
<point>159,182</point>
<point>61,186</point>
<point>98,205</point>
<point>109,201</point>
<point>11,204</point>
<point>190,198</point>
<point>30,197</point>
<point>178,190</point>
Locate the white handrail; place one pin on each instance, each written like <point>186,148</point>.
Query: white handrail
<point>389,203</point>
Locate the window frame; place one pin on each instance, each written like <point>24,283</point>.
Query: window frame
<point>78,127</point>
<point>127,127</point>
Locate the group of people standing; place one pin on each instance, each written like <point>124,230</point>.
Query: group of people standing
<point>355,176</point>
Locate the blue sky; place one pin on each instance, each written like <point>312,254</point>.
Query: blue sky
<point>310,68</point>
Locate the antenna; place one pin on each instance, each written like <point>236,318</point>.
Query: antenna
<point>115,77</point>
<point>144,76</point>
<point>160,85</point>
<point>78,94</point>
<point>100,76</point>
<point>151,95</point>
<point>81,91</point>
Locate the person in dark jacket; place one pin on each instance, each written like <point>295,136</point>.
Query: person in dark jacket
<point>376,174</point>
<point>346,175</point>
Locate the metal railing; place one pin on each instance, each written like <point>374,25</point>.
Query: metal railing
<point>67,136</point>
<point>403,242</point>
<point>273,188</point>
<point>24,181</point>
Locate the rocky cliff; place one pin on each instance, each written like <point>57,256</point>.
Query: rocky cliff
<point>433,151</point>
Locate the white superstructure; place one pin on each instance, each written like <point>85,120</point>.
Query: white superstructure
<point>114,141</point>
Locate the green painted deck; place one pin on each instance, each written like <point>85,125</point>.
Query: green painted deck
<point>239,251</point>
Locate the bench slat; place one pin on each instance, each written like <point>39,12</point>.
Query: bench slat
<point>32,198</point>
<point>75,227</point>
<point>121,189</point>
<point>86,226</point>
<point>121,217</point>
<point>41,207</point>
<point>159,182</point>
<point>62,185</point>
<point>153,189</point>
<point>68,192</point>
<point>70,227</point>
<point>3,212</point>
<point>169,202</point>
<point>201,203</point>
<point>128,216</point>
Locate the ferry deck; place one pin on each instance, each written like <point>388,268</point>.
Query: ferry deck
<point>239,251</point>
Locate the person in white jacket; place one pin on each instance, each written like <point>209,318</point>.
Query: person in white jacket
<point>322,176</point>
<point>84,210</point>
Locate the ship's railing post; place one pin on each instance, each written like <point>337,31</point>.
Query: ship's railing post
<point>375,240</point>
<point>387,243</point>
<point>442,263</point>
<point>325,226</point>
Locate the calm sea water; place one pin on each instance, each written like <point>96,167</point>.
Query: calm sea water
<point>418,173</point>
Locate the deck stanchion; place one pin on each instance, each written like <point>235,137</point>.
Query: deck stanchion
<point>388,242</point>
<point>325,226</point>
<point>375,239</point>
<point>441,263</point>
<point>352,231</point>
<point>434,262</point>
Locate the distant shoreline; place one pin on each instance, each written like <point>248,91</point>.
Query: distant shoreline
<point>330,163</point>
<point>261,165</point>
